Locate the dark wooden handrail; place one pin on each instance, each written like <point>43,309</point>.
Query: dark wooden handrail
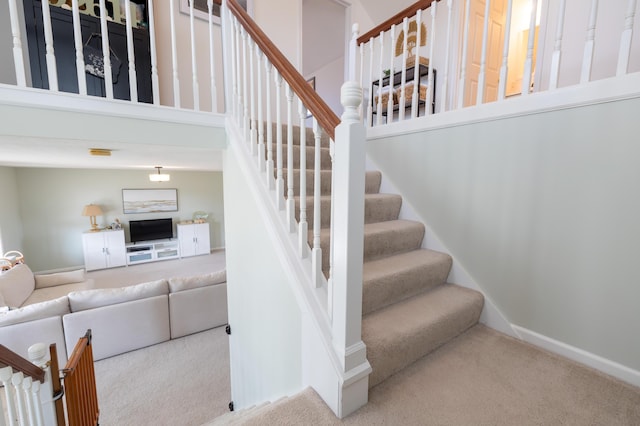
<point>395,20</point>
<point>327,119</point>
<point>80,385</point>
<point>12,359</point>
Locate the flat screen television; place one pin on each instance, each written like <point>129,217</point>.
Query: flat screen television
<point>151,229</point>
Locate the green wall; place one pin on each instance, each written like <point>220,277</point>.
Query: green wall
<point>48,203</point>
<point>10,222</point>
<point>542,210</point>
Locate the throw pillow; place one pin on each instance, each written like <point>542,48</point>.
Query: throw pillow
<point>16,285</point>
<point>59,278</point>
<point>186,283</point>
<point>90,299</point>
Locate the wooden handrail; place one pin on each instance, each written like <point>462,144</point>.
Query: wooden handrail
<point>319,109</point>
<point>78,351</point>
<point>12,359</point>
<point>395,20</point>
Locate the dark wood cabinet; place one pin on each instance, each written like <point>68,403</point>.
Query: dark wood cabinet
<point>64,49</point>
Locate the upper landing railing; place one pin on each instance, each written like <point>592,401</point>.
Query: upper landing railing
<point>438,56</point>
<point>119,49</point>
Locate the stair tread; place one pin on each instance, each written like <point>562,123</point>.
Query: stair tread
<point>393,278</point>
<point>400,334</point>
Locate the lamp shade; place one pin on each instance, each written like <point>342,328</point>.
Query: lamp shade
<point>159,177</point>
<point>91,210</point>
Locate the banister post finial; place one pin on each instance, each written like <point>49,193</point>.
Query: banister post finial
<point>355,30</point>
<point>37,353</point>
<point>350,97</point>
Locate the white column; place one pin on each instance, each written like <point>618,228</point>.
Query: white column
<point>131,56</point>
<point>528,63</point>
<point>77,41</point>
<point>214,97</point>
<point>194,65</point>
<point>589,45</point>
<point>155,81</point>
<point>174,55</point>
<point>625,39</point>
<point>316,252</point>
<point>106,52</point>
<point>18,58</point>
<point>348,244</point>
<point>52,70</point>
<point>557,48</point>
<point>279,163</point>
<point>303,226</point>
<point>463,57</point>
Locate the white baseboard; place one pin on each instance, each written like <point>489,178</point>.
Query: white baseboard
<point>581,356</point>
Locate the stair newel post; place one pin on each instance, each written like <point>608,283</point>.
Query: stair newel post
<point>18,57</point>
<point>52,70</point>
<point>504,67</point>
<point>77,41</point>
<point>348,231</point>
<point>212,70</point>
<point>269,125</point>
<point>626,38</point>
<point>303,225</point>
<point>6,375</point>
<point>291,202</point>
<point>252,80</point>
<point>589,45</point>
<point>261,151</point>
<point>557,48</point>
<point>279,173</point>
<point>45,411</point>
<point>174,55</point>
<point>316,252</point>
<point>528,63</point>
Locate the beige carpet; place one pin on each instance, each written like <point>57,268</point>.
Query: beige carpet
<point>480,378</point>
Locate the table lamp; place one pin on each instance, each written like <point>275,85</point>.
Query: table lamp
<point>92,211</point>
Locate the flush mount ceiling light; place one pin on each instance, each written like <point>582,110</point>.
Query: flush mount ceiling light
<point>159,177</point>
<point>101,152</point>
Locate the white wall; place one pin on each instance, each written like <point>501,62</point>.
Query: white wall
<point>50,203</point>
<point>10,223</point>
<point>542,211</point>
<point>266,323</point>
<point>281,20</point>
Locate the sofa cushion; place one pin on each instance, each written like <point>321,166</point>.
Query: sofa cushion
<point>50,308</point>
<point>59,278</point>
<point>187,283</point>
<point>89,299</point>
<point>48,293</point>
<point>16,285</point>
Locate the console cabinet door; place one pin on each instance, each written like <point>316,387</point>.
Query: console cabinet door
<point>116,250</point>
<point>194,239</point>
<point>201,234</point>
<point>105,249</point>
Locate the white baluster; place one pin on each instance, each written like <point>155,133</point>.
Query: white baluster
<point>45,411</point>
<point>369,105</point>
<point>415,106</point>
<point>303,226</point>
<point>445,80</point>
<point>237,87</point>
<point>391,77</point>
<point>252,80</point>
<point>194,65</point>
<point>403,77</point>
<point>16,382</point>
<point>106,52</point>
<point>483,57</point>
<point>52,70</point>
<point>214,96</point>
<point>6,374</point>
<point>155,81</point>
<point>77,41</point>
<point>589,45</point>
<point>430,88</point>
<point>380,82</point>
<point>528,63</point>
<point>557,48</point>
<point>332,149</point>
<point>261,153</point>
<point>363,107</point>
<point>18,58</point>
<point>245,85</point>
<point>131,56</point>
<point>174,56</point>
<point>291,203</point>
<point>28,400</point>
<point>316,253</point>
<point>463,58</point>
<point>37,408</point>
<point>279,165</point>
<point>504,68</point>
<point>352,52</point>
<point>625,39</point>
<point>269,124</point>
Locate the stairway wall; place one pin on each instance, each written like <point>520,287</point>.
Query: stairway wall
<point>541,210</point>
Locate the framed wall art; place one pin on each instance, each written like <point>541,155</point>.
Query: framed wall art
<point>149,200</point>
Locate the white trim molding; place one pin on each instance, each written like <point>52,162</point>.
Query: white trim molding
<point>581,356</point>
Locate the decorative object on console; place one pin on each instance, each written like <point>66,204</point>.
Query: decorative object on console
<point>200,217</point>
<point>92,211</point>
<point>159,177</point>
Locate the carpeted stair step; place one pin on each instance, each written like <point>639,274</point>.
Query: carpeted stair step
<point>395,278</point>
<point>404,332</point>
<point>371,183</point>
<point>310,138</point>
<point>380,239</point>
<point>325,158</point>
<point>377,208</point>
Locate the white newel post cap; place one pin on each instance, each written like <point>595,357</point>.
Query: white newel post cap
<point>37,353</point>
<point>355,29</point>
<point>350,97</point>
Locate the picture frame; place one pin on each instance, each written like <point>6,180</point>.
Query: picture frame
<point>136,201</point>
<point>201,11</point>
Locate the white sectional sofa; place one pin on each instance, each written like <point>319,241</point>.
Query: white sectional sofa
<point>121,319</point>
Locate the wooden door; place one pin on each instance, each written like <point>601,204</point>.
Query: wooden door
<point>495,39</point>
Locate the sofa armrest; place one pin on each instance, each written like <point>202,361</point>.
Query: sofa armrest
<point>18,337</point>
<point>198,309</point>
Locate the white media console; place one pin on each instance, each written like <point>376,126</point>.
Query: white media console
<point>152,251</point>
